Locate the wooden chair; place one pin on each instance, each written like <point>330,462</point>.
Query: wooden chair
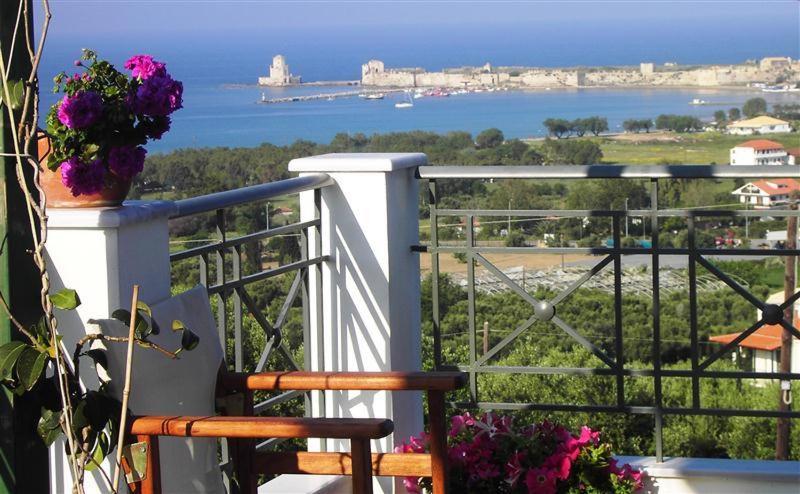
<point>177,423</point>
<point>250,464</point>
<point>359,431</point>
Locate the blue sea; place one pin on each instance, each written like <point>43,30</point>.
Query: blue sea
<point>221,100</point>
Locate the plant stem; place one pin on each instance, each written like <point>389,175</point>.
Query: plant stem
<point>127,389</point>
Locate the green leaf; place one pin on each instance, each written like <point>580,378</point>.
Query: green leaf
<point>66,299</point>
<point>49,426</point>
<point>79,418</point>
<point>40,330</point>
<point>17,91</point>
<point>101,449</point>
<point>189,340</point>
<point>142,327</point>
<point>9,353</point>
<point>90,152</point>
<point>144,308</point>
<point>98,356</point>
<point>30,365</point>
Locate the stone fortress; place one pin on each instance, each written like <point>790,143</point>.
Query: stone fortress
<point>771,70</point>
<point>279,74</point>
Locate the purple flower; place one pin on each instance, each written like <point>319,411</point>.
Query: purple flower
<point>158,96</point>
<point>158,127</point>
<point>144,67</point>
<point>82,178</point>
<point>80,110</point>
<point>126,161</point>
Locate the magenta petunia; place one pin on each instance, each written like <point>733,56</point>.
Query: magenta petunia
<point>126,161</point>
<point>541,481</point>
<point>80,110</point>
<point>82,178</point>
<point>158,96</point>
<point>144,67</point>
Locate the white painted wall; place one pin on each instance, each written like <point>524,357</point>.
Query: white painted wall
<point>747,156</point>
<point>717,476</point>
<point>102,253</point>
<point>764,129</point>
<point>371,284</point>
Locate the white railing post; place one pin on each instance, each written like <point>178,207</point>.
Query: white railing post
<point>370,303</point>
<point>102,253</point>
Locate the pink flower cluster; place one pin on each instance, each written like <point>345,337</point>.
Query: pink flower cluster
<point>100,126</point>
<point>488,454</point>
<point>81,109</point>
<point>159,94</point>
<point>144,66</point>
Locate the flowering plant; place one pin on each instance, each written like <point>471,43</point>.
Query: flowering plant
<point>106,117</point>
<point>490,455</point>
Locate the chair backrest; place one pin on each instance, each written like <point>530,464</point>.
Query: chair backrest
<point>186,386</point>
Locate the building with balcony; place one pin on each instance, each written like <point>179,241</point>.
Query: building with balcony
<point>765,194</point>
<point>761,152</point>
<point>759,125</point>
<point>357,283</point>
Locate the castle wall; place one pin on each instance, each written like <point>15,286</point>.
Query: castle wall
<point>374,74</point>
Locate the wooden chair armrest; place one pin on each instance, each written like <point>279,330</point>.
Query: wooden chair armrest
<point>318,463</point>
<point>373,381</point>
<point>262,427</point>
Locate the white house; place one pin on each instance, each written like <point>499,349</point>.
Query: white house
<point>764,344</point>
<point>794,156</point>
<point>759,152</point>
<point>764,194</point>
<point>761,125</point>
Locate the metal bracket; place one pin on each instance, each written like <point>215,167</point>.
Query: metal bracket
<point>135,456</point>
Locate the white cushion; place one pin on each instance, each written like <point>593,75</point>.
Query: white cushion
<point>186,386</point>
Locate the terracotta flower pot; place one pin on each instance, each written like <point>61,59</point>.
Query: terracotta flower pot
<point>115,190</point>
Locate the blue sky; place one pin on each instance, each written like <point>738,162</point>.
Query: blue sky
<point>321,38</point>
<point>157,16</point>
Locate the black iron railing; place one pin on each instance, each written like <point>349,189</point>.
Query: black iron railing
<point>546,309</point>
<point>220,269</point>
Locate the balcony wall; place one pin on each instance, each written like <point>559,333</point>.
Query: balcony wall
<point>363,301</point>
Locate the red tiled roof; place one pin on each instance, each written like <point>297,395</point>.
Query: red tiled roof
<point>777,186</point>
<point>794,151</point>
<point>760,144</point>
<point>767,337</point>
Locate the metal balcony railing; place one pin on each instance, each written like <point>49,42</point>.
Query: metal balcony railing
<point>221,271</point>
<point>546,310</point>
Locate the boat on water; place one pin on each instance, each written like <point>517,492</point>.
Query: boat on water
<point>698,101</point>
<point>374,96</point>
<point>406,103</point>
<point>780,89</point>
